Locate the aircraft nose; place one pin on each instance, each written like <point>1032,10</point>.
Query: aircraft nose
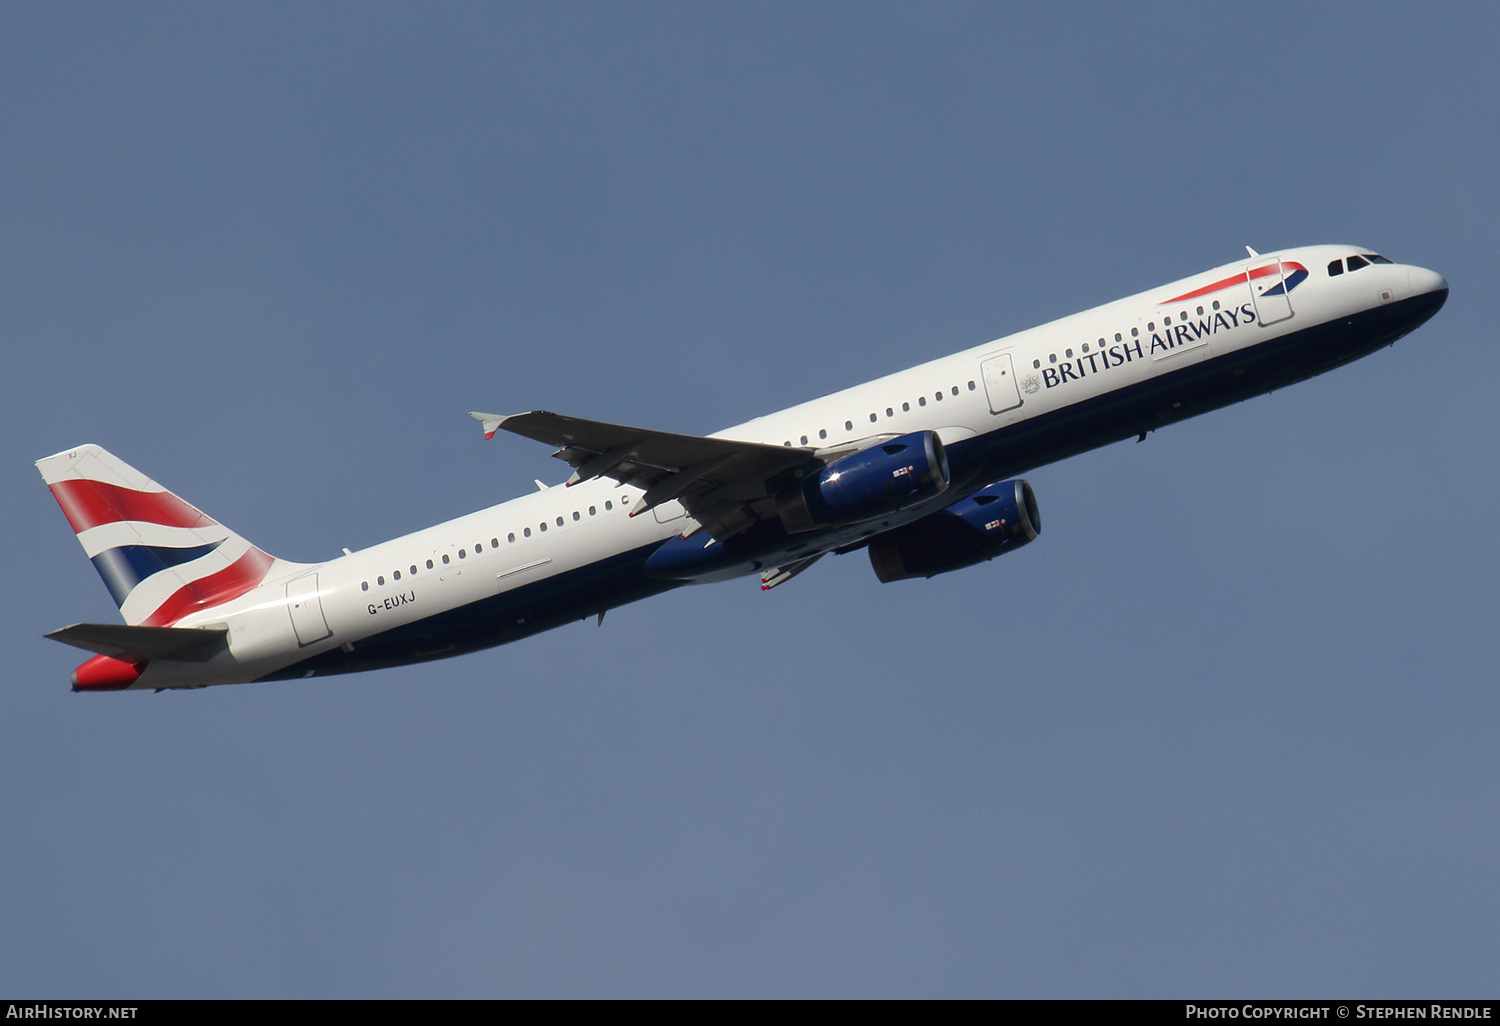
<point>1423,281</point>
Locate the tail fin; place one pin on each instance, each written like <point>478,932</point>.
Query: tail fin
<point>160,558</point>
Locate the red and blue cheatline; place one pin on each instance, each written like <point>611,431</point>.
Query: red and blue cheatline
<point>1295,274</point>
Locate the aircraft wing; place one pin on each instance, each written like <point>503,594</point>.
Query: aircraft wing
<point>726,485</point>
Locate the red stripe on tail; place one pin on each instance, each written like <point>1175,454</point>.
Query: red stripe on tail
<point>215,589</point>
<point>88,504</point>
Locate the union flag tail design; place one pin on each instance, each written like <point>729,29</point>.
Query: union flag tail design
<point>160,558</point>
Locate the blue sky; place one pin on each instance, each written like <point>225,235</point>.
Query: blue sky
<point>1228,728</point>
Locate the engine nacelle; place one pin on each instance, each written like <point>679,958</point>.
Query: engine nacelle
<point>996,519</point>
<point>884,478</point>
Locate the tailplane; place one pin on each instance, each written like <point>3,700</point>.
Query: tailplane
<point>161,559</point>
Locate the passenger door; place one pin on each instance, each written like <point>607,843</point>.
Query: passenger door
<point>306,610</point>
<point>1268,292</point>
<point>1000,383</point>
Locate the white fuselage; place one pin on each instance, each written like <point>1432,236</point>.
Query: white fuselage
<point>970,398</point>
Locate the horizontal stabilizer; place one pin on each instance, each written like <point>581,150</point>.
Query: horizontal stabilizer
<point>139,644</point>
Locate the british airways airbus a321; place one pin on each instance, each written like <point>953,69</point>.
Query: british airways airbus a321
<point>918,468</point>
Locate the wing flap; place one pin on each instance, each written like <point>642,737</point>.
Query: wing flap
<point>714,478</point>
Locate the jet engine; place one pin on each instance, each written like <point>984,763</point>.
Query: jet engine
<point>994,520</point>
<point>886,477</point>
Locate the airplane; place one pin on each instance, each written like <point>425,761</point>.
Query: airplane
<point>920,468</point>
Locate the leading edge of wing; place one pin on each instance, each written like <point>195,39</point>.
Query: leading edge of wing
<point>718,480</point>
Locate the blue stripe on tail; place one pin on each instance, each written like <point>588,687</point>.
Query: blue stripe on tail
<point>127,566</point>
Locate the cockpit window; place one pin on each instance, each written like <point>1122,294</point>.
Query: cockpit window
<point>1335,268</point>
<point>1376,258</point>
<point>1355,263</point>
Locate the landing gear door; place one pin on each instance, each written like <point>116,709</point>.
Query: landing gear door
<point>1268,292</point>
<point>1000,383</point>
<point>306,610</point>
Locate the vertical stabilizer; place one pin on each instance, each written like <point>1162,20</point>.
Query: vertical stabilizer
<point>160,558</point>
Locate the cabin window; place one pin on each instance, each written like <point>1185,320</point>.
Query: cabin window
<point>414,569</point>
<point>906,407</point>
<point>624,500</point>
<point>1086,345</point>
<point>608,504</point>
<point>1036,364</point>
<point>1135,332</point>
<point>364,585</point>
<point>511,537</point>
<point>1216,304</point>
<point>921,400</point>
<point>873,418</point>
<point>848,425</point>
<point>938,396</point>
<point>1068,353</point>
<point>1118,336</point>
<point>559,521</point>
<point>380,580</point>
<point>889,412</point>
<point>543,525</point>
<point>429,564</point>
<point>822,433</point>
<point>1335,269</point>
<point>576,515</point>
<point>395,575</point>
<point>1165,321</point>
<point>446,560</point>
<point>494,543</point>
<point>1182,316</point>
<point>971,386</point>
<point>527,532</point>
<point>594,510</point>
<point>955,390</point>
<point>1200,311</point>
<point>1150,325</point>
<point>1051,357</point>
<point>461,553</point>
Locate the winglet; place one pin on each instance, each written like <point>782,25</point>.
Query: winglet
<point>1251,252</point>
<point>489,421</point>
